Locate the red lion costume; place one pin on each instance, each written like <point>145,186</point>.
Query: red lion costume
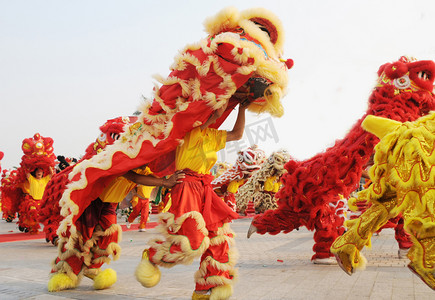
<point>403,93</point>
<point>241,54</point>
<point>38,153</point>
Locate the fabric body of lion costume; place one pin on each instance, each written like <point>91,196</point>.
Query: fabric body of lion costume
<point>357,206</point>
<point>237,57</point>
<point>403,183</point>
<point>49,214</point>
<point>263,184</point>
<point>228,183</point>
<point>403,93</point>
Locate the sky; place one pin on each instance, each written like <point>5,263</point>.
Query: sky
<point>68,66</point>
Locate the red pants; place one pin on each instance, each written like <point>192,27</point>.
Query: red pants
<point>196,225</point>
<point>141,208</point>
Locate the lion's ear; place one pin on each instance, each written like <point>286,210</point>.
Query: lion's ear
<point>379,126</point>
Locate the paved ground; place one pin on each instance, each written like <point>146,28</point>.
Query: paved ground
<point>270,267</point>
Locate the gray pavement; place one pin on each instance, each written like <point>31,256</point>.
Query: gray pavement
<point>270,267</point>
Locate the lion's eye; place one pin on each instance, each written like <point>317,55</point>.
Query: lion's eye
<point>423,75</point>
<point>115,136</point>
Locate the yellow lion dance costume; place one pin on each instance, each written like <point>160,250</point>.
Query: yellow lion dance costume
<point>403,182</point>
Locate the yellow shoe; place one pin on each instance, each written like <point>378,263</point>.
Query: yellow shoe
<point>196,296</point>
<point>147,273</point>
<point>61,281</point>
<point>105,279</point>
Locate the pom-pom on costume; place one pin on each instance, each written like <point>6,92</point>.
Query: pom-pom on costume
<point>226,185</point>
<point>403,182</point>
<point>196,224</point>
<point>403,93</point>
<point>262,186</point>
<point>205,77</point>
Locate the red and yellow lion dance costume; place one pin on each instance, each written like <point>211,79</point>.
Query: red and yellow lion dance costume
<point>227,184</point>
<point>241,54</point>
<point>38,153</point>
<point>403,93</point>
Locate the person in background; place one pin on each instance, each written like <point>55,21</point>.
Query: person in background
<point>141,206</point>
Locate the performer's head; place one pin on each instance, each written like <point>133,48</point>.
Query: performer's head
<point>38,173</point>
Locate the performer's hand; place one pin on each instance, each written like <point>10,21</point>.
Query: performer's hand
<point>173,179</point>
<point>244,104</point>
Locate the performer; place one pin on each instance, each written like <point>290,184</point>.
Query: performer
<point>141,206</point>
<point>197,222</point>
<point>404,92</point>
<point>33,189</point>
<point>403,183</point>
<point>37,182</point>
<point>99,234</point>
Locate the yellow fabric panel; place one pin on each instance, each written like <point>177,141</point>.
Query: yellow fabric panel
<point>116,191</point>
<point>233,187</point>
<point>270,185</point>
<point>36,187</point>
<point>198,152</point>
<point>168,205</point>
<point>144,191</point>
<point>134,201</point>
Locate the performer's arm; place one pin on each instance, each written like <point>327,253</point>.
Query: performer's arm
<point>51,172</point>
<point>239,126</point>
<point>150,180</point>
